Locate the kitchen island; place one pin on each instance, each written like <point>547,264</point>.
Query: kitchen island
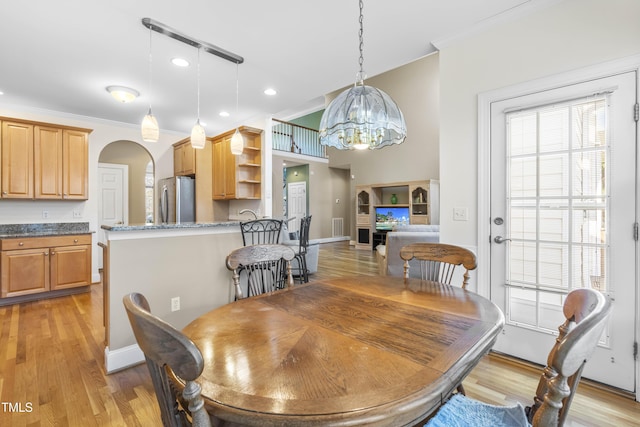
<point>174,266</point>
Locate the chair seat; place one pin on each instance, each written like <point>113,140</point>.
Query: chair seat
<point>460,411</point>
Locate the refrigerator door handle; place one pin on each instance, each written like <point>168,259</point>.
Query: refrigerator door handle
<point>164,205</point>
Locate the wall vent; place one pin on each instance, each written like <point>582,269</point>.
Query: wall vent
<point>337,227</point>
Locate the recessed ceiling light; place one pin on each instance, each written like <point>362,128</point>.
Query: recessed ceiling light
<point>1,92</point>
<point>180,62</point>
<point>224,114</point>
<point>122,93</point>
<point>270,92</point>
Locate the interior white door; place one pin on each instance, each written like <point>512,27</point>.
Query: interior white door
<point>296,204</point>
<point>563,179</point>
<point>113,206</point>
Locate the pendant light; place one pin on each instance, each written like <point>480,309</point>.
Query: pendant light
<point>198,137</point>
<point>362,117</point>
<point>237,141</point>
<point>149,128</point>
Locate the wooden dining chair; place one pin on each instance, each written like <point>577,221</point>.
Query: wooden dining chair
<point>301,254</point>
<point>261,231</point>
<point>164,348</point>
<point>585,311</point>
<point>438,261</point>
<point>260,268</point>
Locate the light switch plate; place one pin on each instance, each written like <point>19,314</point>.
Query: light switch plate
<point>460,214</point>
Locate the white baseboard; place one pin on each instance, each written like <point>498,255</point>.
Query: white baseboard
<point>122,358</point>
<point>329,239</point>
<point>95,278</point>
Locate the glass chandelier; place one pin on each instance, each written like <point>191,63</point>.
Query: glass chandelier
<point>362,117</point>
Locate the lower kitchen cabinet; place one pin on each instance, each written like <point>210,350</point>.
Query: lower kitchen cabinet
<point>43,264</point>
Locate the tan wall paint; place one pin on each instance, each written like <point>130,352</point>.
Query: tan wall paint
<point>415,88</point>
<point>565,36</point>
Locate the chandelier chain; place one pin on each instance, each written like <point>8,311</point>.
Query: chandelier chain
<point>361,45</point>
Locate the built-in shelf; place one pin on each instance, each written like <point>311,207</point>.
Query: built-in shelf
<point>421,197</point>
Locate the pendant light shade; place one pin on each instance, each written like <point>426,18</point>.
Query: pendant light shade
<point>362,117</point>
<point>237,143</point>
<point>150,130</point>
<point>198,137</point>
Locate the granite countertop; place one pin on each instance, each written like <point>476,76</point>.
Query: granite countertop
<point>182,225</point>
<point>10,231</point>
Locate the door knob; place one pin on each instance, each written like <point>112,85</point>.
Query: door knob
<point>500,239</point>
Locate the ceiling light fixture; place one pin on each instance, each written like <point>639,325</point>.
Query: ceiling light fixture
<point>149,127</point>
<point>362,117</point>
<point>237,142</point>
<point>224,114</point>
<point>198,136</point>
<point>270,92</point>
<point>176,35</point>
<point>122,93</point>
<point>180,62</point>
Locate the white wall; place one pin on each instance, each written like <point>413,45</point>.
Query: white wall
<point>104,132</point>
<point>563,36</point>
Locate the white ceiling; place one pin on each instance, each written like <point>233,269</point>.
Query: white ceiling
<point>61,55</point>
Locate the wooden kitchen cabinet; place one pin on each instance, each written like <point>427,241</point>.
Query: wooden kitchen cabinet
<point>237,177</point>
<point>41,264</point>
<point>17,160</point>
<point>184,158</point>
<point>44,161</point>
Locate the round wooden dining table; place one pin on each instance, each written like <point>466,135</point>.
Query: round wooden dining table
<point>351,351</point>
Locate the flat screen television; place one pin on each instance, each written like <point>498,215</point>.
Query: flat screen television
<point>388,217</point>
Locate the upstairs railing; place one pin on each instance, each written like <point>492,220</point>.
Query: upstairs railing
<point>296,139</point>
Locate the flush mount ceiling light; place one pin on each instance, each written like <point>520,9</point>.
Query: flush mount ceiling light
<point>270,92</point>
<point>122,93</point>
<point>149,127</point>
<point>362,117</point>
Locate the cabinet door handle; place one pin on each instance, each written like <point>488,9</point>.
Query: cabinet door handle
<point>52,253</point>
<point>75,240</point>
<point>45,253</point>
<point>21,244</point>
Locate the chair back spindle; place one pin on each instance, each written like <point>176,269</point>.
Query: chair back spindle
<point>261,231</point>
<point>438,261</point>
<point>266,268</point>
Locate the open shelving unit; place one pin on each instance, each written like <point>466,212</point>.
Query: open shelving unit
<point>421,197</point>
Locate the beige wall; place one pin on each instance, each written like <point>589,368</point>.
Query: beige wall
<point>564,36</point>
<point>136,158</point>
<point>414,87</point>
<point>326,185</point>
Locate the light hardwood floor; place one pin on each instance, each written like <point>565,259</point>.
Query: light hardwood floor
<point>52,374</point>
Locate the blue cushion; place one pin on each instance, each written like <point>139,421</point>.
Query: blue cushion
<point>460,411</point>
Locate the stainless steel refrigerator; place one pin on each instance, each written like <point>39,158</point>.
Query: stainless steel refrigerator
<point>177,200</point>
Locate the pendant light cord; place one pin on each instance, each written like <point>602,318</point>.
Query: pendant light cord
<point>237,88</point>
<point>150,68</point>
<point>198,78</point>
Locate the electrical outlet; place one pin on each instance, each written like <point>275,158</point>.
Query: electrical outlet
<point>460,214</point>
<point>45,214</point>
<point>77,213</point>
<point>175,304</point>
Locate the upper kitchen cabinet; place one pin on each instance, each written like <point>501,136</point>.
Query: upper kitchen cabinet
<point>237,177</point>
<point>17,160</point>
<point>44,161</point>
<point>184,158</point>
